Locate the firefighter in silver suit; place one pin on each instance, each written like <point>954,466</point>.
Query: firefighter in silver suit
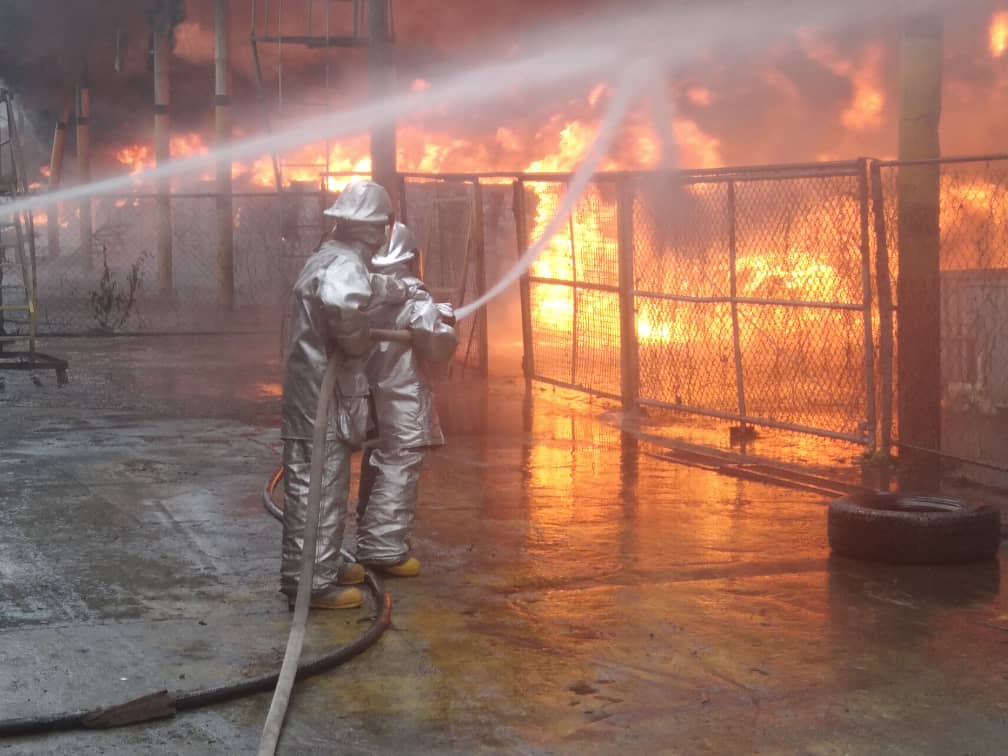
<point>327,318</point>
<point>407,423</point>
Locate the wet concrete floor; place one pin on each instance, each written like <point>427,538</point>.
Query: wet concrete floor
<point>578,595</point>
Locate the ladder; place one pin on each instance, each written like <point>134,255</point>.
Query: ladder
<point>18,287</point>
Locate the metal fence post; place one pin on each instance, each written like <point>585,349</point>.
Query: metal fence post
<point>479,250</point>
<point>629,355</point>
<point>866,285</point>
<point>733,295</point>
<point>222,118</point>
<point>885,309</point>
<point>524,287</point>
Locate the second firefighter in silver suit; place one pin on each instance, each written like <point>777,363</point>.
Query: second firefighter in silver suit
<point>327,320</point>
<point>406,419</point>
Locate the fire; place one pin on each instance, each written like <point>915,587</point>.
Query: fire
<point>999,33</point>
<point>864,110</point>
<point>137,157</point>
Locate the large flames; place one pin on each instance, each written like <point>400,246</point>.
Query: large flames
<point>558,146</point>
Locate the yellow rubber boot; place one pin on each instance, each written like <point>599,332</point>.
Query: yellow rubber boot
<point>407,568</point>
<point>351,573</point>
<point>334,598</point>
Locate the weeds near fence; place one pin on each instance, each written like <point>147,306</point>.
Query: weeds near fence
<point>112,304</point>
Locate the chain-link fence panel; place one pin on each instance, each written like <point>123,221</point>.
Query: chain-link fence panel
<point>573,289</point>
<point>115,283</point>
<point>753,297</point>
<point>447,221</point>
<point>681,255</point>
<point>973,280</point>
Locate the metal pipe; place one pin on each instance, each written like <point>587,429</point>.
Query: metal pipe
<point>574,297</point>
<point>885,309</point>
<point>479,250</point>
<point>733,294</point>
<point>55,175</point>
<point>860,440</point>
<point>383,136</point>
<point>83,113</point>
<point>586,285</point>
<point>162,155</point>
<point>991,158</point>
<point>866,287</point>
<point>855,306</point>
<point>524,289</point>
<point>222,122</point>
<point>629,348</point>
<point>574,387</point>
<point>261,91</point>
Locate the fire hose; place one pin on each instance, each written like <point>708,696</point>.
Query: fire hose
<point>165,704</point>
<point>295,641</point>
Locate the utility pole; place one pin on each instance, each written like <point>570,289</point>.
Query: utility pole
<point>383,136</point>
<point>919,286</point>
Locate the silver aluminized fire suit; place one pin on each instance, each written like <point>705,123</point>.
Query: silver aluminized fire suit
<point>407,421</point>
<point>327,316</point>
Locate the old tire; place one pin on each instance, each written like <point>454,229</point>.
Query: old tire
<point>886,527</point>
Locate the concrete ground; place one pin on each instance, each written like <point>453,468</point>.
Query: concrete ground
<point>578,595</point>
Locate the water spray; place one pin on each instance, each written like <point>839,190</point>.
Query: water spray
<point>629,88</point>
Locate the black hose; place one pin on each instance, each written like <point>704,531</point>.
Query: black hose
<point>164,704</point>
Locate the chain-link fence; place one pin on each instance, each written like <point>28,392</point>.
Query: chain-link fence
<point>118,284</point>
<point>449,218</point>
<point>763,295</point>
<point>746,295</point>
<point>972,273</point>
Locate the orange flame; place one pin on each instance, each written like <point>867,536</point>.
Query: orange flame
<point>999,33</point>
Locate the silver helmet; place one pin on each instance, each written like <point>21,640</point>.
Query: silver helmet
<point>401,249</point>
<point>362,202</point>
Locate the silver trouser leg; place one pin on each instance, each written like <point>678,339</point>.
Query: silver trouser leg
<point>391,507</point>
<point>332,520</point>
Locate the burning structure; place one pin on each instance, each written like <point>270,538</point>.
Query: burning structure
<point>758,295</point>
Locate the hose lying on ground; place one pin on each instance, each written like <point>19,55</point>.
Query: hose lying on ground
<point>163,704</point>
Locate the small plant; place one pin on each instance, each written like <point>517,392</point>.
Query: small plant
<point>112,304</point>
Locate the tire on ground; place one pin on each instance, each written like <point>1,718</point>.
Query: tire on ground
<point>888,527</point>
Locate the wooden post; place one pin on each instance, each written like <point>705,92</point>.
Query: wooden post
<point>222,120</point>
<point>524,287</point>
<point>383,136</point>
<point>919,284</point>
<point>162,154</point>
<point>84,166</point>
<point>479,251</point>
<point>55,174</point>
<point>629,355</point>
